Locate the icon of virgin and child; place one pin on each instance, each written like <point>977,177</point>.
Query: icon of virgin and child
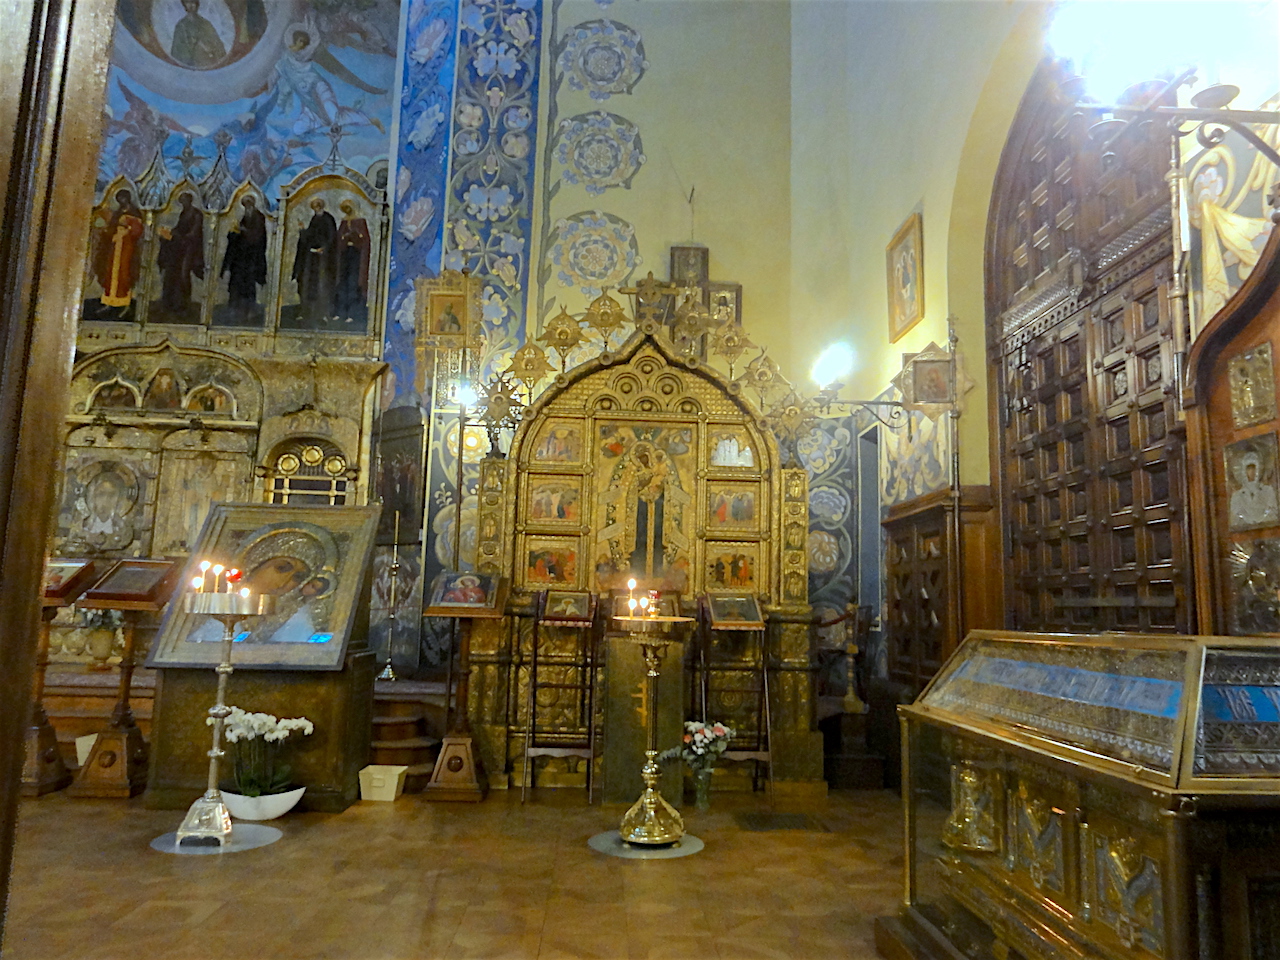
<point>297,563</point>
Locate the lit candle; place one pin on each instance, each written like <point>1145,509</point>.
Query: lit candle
<point>197,584</point>
<point>644,604</point>
<point>217,572</point>
<point>631,605</point>
<point>244,592</point>
<point>204,570</point>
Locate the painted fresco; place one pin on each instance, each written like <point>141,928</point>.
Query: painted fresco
<point>269,80</point>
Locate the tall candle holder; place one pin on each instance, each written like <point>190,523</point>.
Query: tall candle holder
<point>651,821</point>
<point>208,818</point>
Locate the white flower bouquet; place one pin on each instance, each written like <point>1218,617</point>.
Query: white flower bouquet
<point>256,740</point>
<point>701,746</point>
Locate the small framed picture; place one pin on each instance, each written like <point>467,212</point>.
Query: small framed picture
<point>555,500</point>
<point>569,607</point>
<point>724,301</point>
<point>690,265</point>
<point>559,442</point>
<point>905,265</point>
<point>733,506</point>
<point>64,580</point>
<point>931,380</point>
<point>1250,467</point>
<point>447,314</point>
<point>136,581</point>
<point>732,566</point>
<point>552,560</point>
<point>466,595</point>
<point>734,611</point>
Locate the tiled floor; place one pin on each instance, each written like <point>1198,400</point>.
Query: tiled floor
<point>416,879</point>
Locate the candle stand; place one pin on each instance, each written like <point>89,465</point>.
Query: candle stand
<point>651,821</point>
<point>208,819</point>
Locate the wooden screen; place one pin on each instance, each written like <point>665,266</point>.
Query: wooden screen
<point>1082,344</point>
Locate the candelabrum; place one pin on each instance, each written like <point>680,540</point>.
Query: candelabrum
<point>208,818</point>
<point>651,821</point>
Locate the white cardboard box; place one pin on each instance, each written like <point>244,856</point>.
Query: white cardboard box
<point>381,782</point>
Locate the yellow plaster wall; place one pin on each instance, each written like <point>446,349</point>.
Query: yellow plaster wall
<point>900,107</point>
<point>713,113</point>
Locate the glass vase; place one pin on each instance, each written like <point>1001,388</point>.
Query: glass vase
<point>702,790</point>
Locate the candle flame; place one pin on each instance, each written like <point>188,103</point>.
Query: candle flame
<point>631,584</point>
<point>244,592</point>
<point>205,565</point>
<point>217,569</point>
<point>197,583</point>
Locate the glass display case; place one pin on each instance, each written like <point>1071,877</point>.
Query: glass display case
<point>1114,795</point>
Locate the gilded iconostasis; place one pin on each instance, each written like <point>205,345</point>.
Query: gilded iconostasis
<point>276,182</point>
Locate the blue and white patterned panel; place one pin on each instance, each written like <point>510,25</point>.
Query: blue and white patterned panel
<point>422,159</point>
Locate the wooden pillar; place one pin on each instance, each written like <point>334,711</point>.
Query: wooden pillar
<point>53,67</point>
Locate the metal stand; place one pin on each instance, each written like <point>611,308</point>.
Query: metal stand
<point>651,821</point>
<point>208,819</point>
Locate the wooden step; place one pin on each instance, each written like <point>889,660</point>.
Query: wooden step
<point>397,728</point>
<point>410,752</point>
<point>418,776</point>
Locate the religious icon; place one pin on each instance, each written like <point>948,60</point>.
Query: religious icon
<point>689,265</point>
<point>447,313</point>
<point>313,560</point>
<point>1255,585</point>
<point>724,303</point>
<point>117,259</point>
<point>569,605</point>
<point>315,267</point>
<point>211,399</point>
<point>1251,479</point>
<point>552,561</point>
<point>65,579</point>
<point>734,612</point>
<point>732,566</point>
<point>99,500</point>
<point>931,380</point>
<point>164,392</point>
<point>1253,386</point>
<point>731,447</point>
<point>143,581</point>
<point>462,590</point>
<point>190,483</point>
<point>180,258</point>
<point>558,499</point>
<point>350,299</point>
<point>196,43</point>
<point>905,263</point>
<point>114,395</point>
<point>244,264</point>
<point>732,507</point>
<point>559,444</point>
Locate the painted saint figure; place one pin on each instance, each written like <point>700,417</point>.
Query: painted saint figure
<point>118,255</point>
<point>315,265</point>
<point>196,43</point>
<point>181,256</point>
<point>353,265</point>
<point>245,262</point>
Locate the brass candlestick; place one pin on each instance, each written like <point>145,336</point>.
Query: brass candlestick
<point>651,821</point>
<point>208,818</point>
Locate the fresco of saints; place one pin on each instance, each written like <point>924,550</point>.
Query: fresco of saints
<point>315,265</point>
<point>180,258</point>
<point>117,257</point>
<point>353,265</point>
<point>244,263</point>
<point>196,43</point>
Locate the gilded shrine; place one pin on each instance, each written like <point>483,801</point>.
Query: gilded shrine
<point>644,464</point>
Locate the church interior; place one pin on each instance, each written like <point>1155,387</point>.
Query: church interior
<point>464,497</point>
